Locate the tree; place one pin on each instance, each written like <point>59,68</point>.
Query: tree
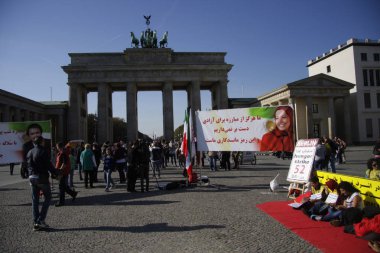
<point>120,129</point>
<point>92,120</point>
<point>178,133</point>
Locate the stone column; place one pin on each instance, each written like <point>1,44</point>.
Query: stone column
<point>196,101</point>
<point>104,123</point>
<point>132,111</point>
<point>223,93</point>
<point>347,120</point>
<point>331,117</point>
<point>74,113</point>
<point>215,97</point>
<point>167,107</point>
<point>291,103</point>
<point>309,117</point>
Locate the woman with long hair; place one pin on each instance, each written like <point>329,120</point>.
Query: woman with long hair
<point>281,137</point>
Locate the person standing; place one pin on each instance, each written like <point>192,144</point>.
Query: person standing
<point>98,155</point>
<point>212,156</point>
<point>87,160</point>
<point>320,154</point>
<point>11,167</point>
<point>120,161</point>
<point>143,165</point>
<point>376,149</point>
<point>109,166</point>
<point>79,150</point>
<point>156,153</point>
<point>39,166</point>
<point>73,163</point>
<point>33,131</point>
<point>63,164</point>
<point>225,162</point>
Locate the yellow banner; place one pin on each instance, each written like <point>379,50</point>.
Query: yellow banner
<point>369,189</point>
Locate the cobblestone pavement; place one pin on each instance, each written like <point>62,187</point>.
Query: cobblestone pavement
<point>221,217</point>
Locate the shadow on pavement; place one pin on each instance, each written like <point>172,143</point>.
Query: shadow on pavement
<point>154,227</point>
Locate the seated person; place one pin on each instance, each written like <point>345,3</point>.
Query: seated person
<point>373,171</point>
<point>316,188</point>
<point>352,200</point>
<point>320,207</point>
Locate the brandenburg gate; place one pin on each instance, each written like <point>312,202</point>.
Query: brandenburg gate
<point>137,70</point>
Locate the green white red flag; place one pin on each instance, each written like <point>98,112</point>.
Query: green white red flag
<point>188,146</point>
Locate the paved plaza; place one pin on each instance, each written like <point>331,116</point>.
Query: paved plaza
<point>220,217</point>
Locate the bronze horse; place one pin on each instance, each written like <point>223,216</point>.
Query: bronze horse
<point>134,41</point>
<point>164,40</point>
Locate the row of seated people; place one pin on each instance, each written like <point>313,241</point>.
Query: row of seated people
<point>341,205</point>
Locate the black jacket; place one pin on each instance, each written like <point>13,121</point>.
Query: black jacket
<point>39,164</point>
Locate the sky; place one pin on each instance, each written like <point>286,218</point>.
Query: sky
<point>268,42</point>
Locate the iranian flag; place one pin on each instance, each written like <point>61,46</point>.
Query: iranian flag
<point>188,145</point>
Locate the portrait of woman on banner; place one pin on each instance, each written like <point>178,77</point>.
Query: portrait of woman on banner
<point>280,135</point>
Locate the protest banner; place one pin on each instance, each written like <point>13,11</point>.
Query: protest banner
<point>302,161</point>
<point>246,129</point>
<point>13,136</point>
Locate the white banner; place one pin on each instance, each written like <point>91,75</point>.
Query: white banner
<point>245,129</point>
<point>13,135</point>
<point>302,161</point>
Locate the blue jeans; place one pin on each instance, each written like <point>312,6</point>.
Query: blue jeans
<point>45,188</point>
<point>212,163</point>
<point>70,182</point>
<point>332,214</point>
<point>108,178</point>
<point>156,167</point>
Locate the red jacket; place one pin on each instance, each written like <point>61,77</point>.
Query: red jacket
<point>63,158</point>
<point>368,225</point>
<point>277,140</point>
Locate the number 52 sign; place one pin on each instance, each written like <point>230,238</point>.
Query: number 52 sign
<point>302,161</point>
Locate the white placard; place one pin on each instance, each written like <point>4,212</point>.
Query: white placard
<point>331,198</point>
<point>302,161</point>
<point>316,196</point>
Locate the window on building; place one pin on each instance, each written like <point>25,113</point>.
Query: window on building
<point>377,74</point>
<point>376,57</point>
<point>371,77</point>
<point>368,127</point>
<point>363,56</point>
<point>316,130</point>
<point>378,100</point>
<point>367,100</point>
<point>365,77</point>
<point>314,108</point>
<point>328,69</point>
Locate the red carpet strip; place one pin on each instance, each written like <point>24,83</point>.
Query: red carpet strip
<point>320,234</point>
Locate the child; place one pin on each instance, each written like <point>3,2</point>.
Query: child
<point>109,164</point>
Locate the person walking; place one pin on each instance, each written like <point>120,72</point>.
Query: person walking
<point>39,166</point>
<point>63,164</point>
<point>87,160</point>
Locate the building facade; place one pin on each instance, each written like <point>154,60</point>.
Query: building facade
<point>15,108</point>
<point>357,62</point>
<point>320,106</point>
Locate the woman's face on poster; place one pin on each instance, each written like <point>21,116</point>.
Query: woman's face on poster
<point>282,120</point>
